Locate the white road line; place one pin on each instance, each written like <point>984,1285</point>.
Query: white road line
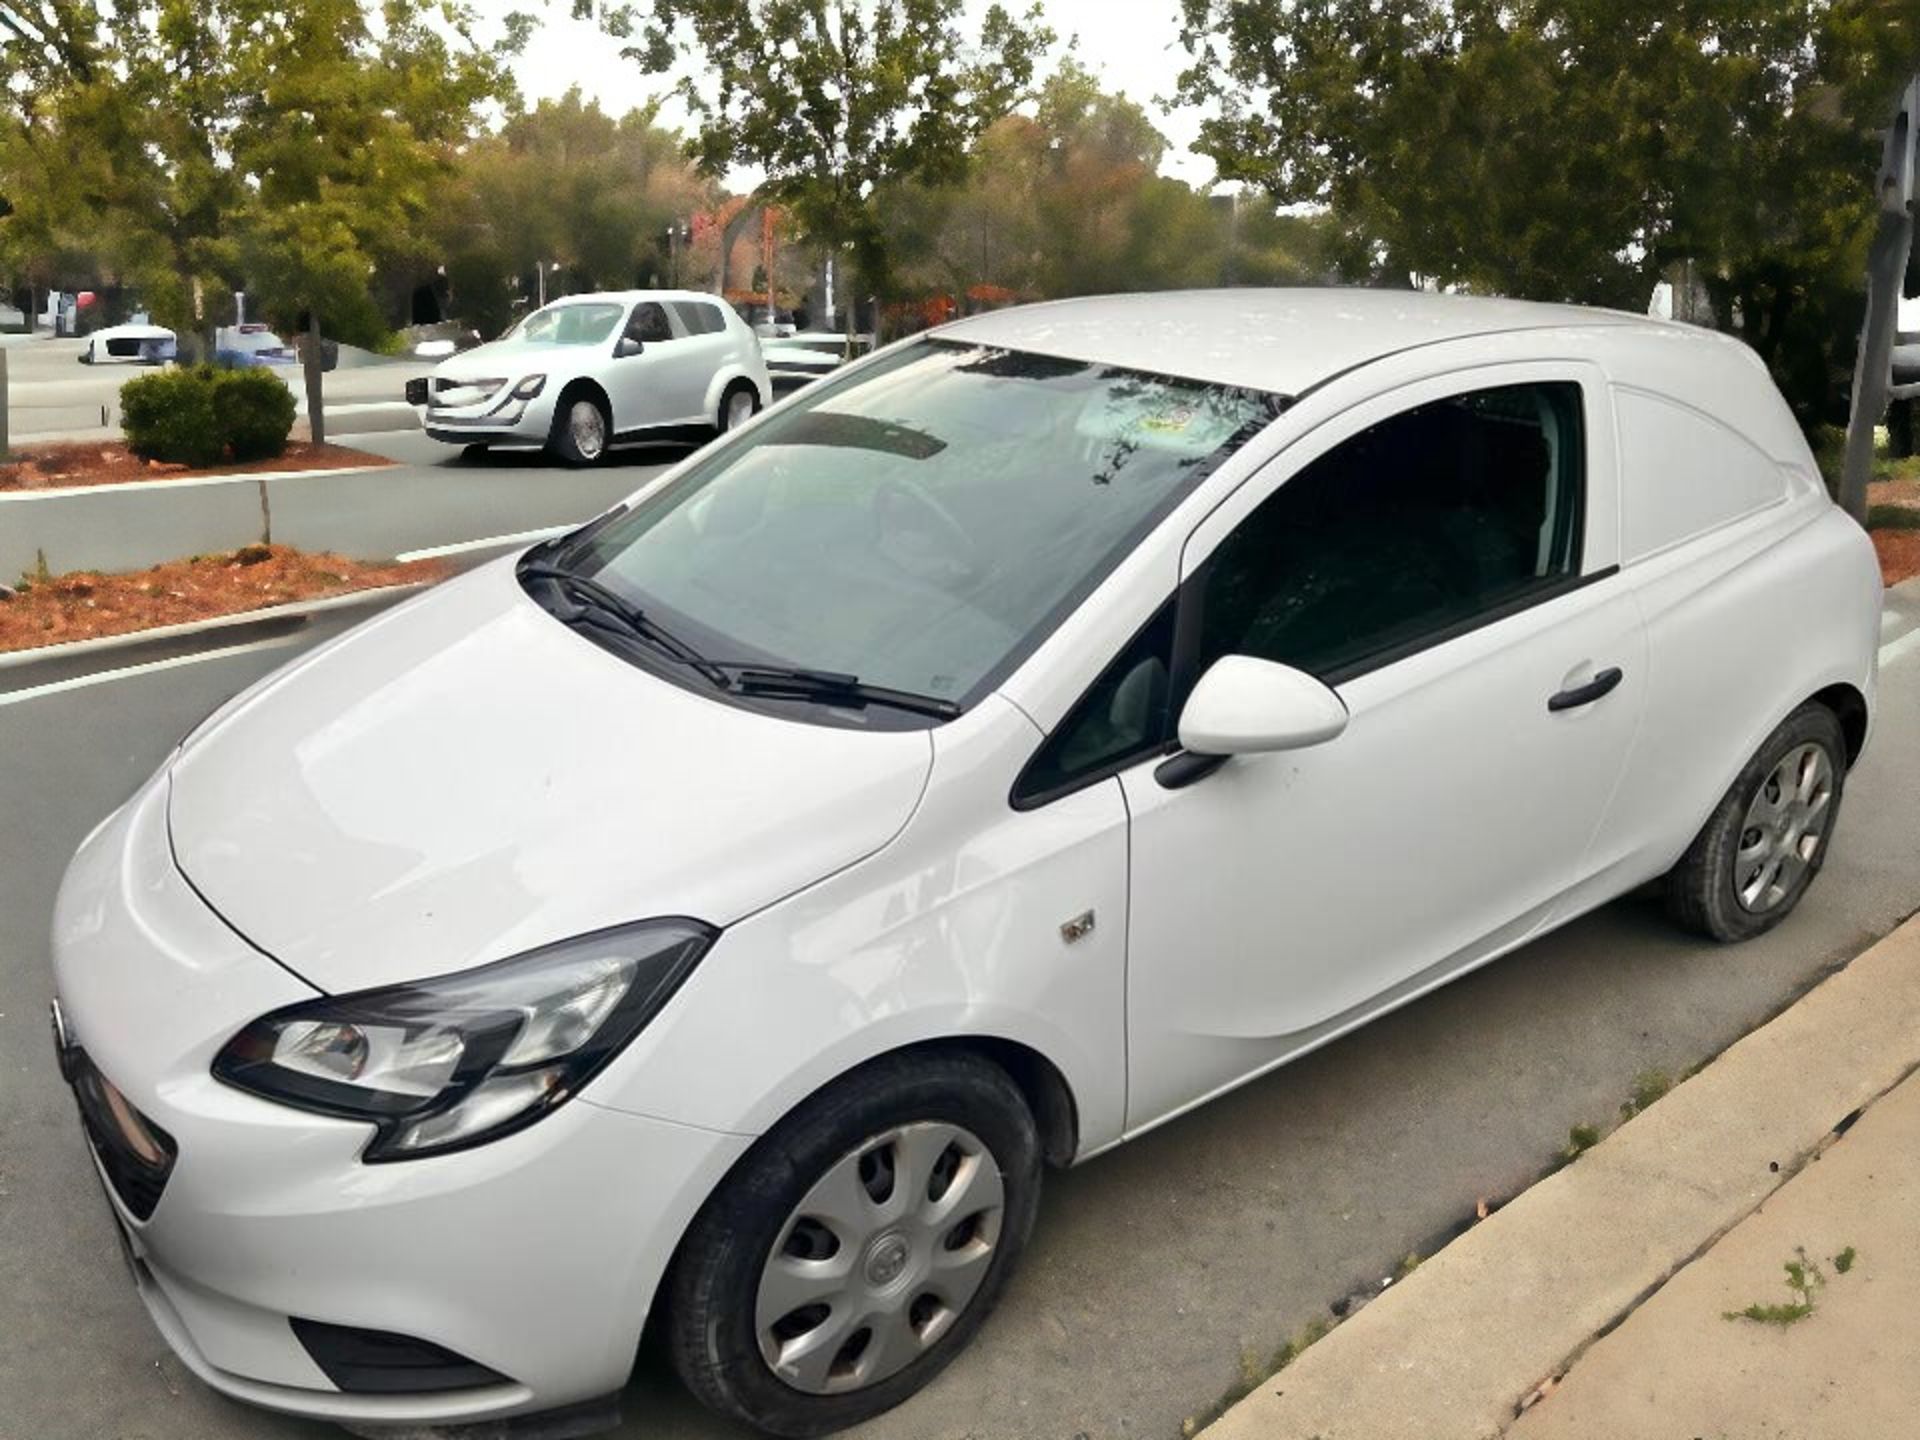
<point>128,672</point>
<point>1899,649</point>
<point>460,547</point>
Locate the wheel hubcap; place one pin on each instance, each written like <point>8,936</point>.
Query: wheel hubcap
<point>588,428</point>
<point>879,1258</point>
<point>739,409</point>
<point>1784,826</point>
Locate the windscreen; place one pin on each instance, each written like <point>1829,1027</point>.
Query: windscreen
<point>579,324</point>
<point>925,520</point>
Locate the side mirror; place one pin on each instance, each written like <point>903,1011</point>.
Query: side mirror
<point>628,346</point>
<point>1244,706</point>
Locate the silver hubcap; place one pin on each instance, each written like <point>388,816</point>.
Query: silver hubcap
<point>1785,823</point>
<point>879,1258</point>
<point>588,428</point>
<point>739,409</point>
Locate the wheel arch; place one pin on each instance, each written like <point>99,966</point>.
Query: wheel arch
<point>582,385</point>
<point>1849,706</point>
<point>730,375</point>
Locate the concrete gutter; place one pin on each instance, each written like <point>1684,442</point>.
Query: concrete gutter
<point>1455,1350</point>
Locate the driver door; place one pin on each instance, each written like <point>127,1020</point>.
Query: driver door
<point>636,383</point>
<point>1443,559</point>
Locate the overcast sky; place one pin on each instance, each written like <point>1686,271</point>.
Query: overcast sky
<point>1133,44</point>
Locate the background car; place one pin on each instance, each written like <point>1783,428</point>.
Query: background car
<point>1056,720</point>
<point>131,344</point>
<point>593,370</point>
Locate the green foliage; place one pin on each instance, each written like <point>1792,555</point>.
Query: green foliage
<point>1580,1139</point>
<point>834,103</point>
<point>199,416</point>
<point>1648,1086</point>
<point>169,416</point>
<point>1069,201</point>
<point>1843,1262</point>
<point>253,412</point>
<point>565,184</point>
<point>1578,150</point>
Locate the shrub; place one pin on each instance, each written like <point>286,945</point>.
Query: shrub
<point>254,411</point>
<point>169,416</point>
<point>200,415</point>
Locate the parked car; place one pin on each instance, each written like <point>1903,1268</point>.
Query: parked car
<point>252,344</point>
<point>131,344</point>
<point>590,371</point>
<point>719,916</point>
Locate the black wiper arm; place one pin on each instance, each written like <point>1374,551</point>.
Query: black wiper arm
<point>630,619</point>
<point>830,685</point>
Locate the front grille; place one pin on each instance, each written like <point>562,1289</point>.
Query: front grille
<point>417,392</point>
<point>136,1153</point>
<point>378,1362</point>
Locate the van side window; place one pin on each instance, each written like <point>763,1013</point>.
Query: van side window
<point>1682,474</point>
<point>1412,530</point>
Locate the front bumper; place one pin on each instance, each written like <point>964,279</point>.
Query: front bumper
<point>536,1257</point>
<point>498,420</point>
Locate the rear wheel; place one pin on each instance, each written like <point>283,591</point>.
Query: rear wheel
<point>739,405</point>
<point>1767,839</point>
<point>858,1247</point>
<point>580,428</point>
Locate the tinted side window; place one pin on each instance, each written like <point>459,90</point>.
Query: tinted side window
<point>1123,717</point>
<point>1411,528</point>
<point>649,324</point>
<point>697,319</point>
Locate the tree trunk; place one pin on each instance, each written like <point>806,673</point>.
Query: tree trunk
<point>310,363</point>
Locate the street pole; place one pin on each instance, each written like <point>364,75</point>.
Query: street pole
<point>1887,261</point>
<point>6,402</point>
<point>316,400</point>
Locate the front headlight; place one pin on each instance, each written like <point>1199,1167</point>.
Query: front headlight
<point>443,1064</point>
<point>528,388</point>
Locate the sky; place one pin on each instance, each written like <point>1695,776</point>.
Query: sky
<point>1132,44</point>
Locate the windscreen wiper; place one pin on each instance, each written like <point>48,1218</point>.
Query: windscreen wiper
<point>595,603</point>
<point>831,686</point>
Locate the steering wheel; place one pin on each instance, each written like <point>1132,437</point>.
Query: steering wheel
<point>929,542</point>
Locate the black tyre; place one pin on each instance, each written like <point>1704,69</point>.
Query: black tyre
<point>1768,837</point>
<point>474,453</point>
<point>581,428</point>
<point>739,405</point>
<point>858,1247</point>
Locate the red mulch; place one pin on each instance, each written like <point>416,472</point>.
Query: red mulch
<point>1899,552</point>
<point>109,462</point>
<point>83,604</point>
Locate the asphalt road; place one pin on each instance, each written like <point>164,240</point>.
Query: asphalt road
<point>1154,1269</point>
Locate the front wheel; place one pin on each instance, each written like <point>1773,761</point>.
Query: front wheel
<point>580,430</point>
<point>858,1247</point>
<point>1768,838</point>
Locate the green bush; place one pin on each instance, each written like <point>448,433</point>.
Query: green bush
<point>254,411</point>
<point>169,416</point>
<point>198,415</point>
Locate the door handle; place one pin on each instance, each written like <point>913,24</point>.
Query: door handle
<point>1578,695</point>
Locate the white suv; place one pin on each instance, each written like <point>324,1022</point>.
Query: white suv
<point>591,370</point>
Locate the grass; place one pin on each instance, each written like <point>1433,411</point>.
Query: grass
<point>1580,1139</point>
<point>1256,1369</point>
<point>1648,1086</point>
<point>1804,1282</point>
<point>1893,517</point>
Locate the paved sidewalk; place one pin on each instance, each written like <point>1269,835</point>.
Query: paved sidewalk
<point>1847,1368</point>
<point>1593,1305</point>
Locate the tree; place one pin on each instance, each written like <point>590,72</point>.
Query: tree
<point>563,184</point>
<point>295,147</point>
<point>1070,201</point>
<point>835,101</point>
<point>1573,149</point>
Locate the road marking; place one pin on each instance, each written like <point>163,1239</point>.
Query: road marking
<point>1900,648</point>
<point>128,672</point>
<point>461,547</point>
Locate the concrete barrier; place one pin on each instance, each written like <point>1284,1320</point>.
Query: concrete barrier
<point>369,514</point>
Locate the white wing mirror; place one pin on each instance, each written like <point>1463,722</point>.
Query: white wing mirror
<point>1244,706</point>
